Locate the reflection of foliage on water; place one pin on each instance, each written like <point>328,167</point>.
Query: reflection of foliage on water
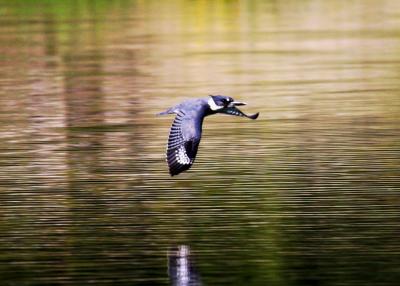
<point>308,194</point>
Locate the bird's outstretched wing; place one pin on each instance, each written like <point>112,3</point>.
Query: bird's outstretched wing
<point>183,142</point>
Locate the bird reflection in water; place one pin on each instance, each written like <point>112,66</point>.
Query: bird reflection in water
<point>181,270</point>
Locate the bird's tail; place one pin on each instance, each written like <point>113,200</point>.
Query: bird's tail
<point>168,111</point>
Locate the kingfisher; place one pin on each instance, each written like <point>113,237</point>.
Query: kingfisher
<point>185,134</point>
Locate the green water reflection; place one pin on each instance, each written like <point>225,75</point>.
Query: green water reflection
<point>308,194</point>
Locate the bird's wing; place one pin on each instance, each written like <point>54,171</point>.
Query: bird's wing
<point>183,142</point>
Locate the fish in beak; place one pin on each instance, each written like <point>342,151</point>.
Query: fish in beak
<point>232,110</point>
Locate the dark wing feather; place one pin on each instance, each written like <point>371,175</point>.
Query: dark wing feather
<point>181,151</point>
<point>235,111</point>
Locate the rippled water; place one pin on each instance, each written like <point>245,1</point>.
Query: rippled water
<point>308,194</point>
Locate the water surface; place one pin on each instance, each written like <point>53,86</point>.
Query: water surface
<point>308,194</point>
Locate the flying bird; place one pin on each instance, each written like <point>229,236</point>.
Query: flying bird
<point>185,133</point>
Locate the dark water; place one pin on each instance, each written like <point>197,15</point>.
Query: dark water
<point>308,194</point>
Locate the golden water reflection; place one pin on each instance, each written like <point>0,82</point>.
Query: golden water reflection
<point>306,194</point>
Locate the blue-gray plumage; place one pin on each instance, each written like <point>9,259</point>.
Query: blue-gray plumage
<point>185,134</point>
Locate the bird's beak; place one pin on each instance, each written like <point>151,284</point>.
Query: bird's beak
<point>236,103</point>
<point>232,110</point>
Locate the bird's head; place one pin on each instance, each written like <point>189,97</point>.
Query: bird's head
<point>227,105</point>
